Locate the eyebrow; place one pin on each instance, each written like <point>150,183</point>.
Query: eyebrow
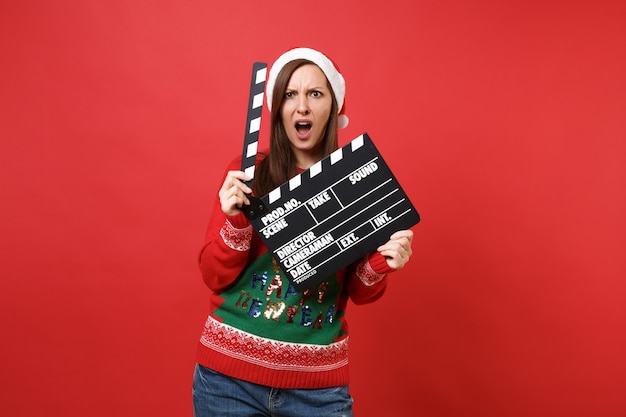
<point>309,89</point>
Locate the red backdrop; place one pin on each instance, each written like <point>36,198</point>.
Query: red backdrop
<point>503,121</point>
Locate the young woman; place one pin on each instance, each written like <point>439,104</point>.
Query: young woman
<point>267,350</point>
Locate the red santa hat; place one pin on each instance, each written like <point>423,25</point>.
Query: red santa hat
<point>329,69</point>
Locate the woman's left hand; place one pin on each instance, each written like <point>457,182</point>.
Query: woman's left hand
<point>397,250</point>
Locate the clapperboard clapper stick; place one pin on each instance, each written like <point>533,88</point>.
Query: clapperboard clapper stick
<point>332,214</point>
<point>251,135</point>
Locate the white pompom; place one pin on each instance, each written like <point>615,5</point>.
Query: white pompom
<point>342,121</point>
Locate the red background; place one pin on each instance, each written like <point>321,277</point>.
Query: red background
<point>503,121</point>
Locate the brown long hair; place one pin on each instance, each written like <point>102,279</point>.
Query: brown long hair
<point>280,163</point>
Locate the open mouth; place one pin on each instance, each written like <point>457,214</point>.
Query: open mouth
<point>303,127</point>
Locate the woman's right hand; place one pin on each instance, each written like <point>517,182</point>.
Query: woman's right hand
<point>233,193</point>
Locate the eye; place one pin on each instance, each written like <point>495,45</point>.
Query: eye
<point>316,94</point>
<point>289,94</point>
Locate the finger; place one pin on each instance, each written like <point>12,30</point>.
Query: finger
<point>237,175</point>
<point>232,205</point>
<point>240,185</point>
<point>395,245</point>
<point>396,254</point>
<point>233,185</point>
<point>396,262</point>
<point>232,197</point>
<point>402,234</point>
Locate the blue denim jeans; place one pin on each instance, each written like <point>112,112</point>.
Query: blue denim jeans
<point>217,395</point>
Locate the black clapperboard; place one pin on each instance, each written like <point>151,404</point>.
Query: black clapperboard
<point>332,214</point>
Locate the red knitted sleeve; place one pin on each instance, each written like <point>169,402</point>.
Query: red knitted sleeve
<point>227,244</point>
<point>368,281</point>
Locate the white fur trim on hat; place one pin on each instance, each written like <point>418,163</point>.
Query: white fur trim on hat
<point>335,79</point>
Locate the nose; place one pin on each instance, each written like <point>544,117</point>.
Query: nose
<point>303,105</point>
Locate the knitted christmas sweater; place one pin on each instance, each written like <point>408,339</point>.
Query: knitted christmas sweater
<point>259,329</point>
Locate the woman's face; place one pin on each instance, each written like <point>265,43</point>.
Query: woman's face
<point>305,113</point>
